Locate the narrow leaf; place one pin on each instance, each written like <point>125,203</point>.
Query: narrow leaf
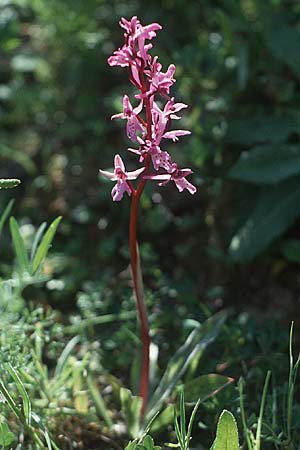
<point>5,215</point>
<point>21,388</point>
<point>19,245</point>
<point>101,409</point>
<point>37,239</point>
<point>43,248</point>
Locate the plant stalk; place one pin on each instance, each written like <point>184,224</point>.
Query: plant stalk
<point>139,294</point>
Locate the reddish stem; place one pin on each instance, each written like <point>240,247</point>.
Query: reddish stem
<point>138,290</point>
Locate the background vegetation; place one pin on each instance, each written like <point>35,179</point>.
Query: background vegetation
<point>235,244</point>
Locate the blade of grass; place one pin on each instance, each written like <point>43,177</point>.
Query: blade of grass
<point>37,238</point>
<point>99,402</point>
<point>19,245</point>
<point>65,355</point>
<point>5,214</point>
<point>23,393</point>
<point>243,416</point>
<point>261,411</point>
<point>44,246</point>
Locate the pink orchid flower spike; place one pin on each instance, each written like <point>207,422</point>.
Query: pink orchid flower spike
<point>121,176</point>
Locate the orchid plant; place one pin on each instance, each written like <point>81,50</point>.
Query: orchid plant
<point>148,124</point>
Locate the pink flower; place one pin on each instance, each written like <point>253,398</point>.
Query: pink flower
<point>131,114</point>
<point>160,81</point>
<point>159,157</point>
<point>175,133</point>
<point>178,176</point>
<point>171,108</point>
<point>161,119</point>
<point>122,57</point>
<point>135,47</point>
<point>121,177</point>
<point>147,123</point>
<point>136,34</point>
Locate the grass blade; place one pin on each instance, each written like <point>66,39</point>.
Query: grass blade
<point>19,245</point>
<point>37,239</point>
<point>5,214</point>
<point>43,248</point>
<point>23,393</point>
<point>99,402</point>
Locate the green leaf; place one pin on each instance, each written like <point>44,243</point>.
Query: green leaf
<point>6,183</point>
<point>291,250</point>
<point>263,129</point>
<point>275,210</point>
<point>44,246</point>
<point>227,433</point>
<point>37,239</point>
<point>284,42</point>
<point>6,436</point>
<point>195,344</point>
<point>131,408</point>
<point>205,386</point>
<point>5,215</point>
<point>267,164</point>
<point>101,409</point>
<point>23,393</point>
<point>19,245</point>
<point>148,442</point>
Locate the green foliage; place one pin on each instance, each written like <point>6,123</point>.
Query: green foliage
<point>9,183</point>
<point>19,246</point>
<point>38,252</point>
<point>6,436</point>
<point>227,433</point>
<point>198,340</point>
<point>276,209</point>
<point>184,432</point>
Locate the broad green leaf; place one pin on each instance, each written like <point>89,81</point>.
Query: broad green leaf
<point>131,408</point>
<point>6,436</point>
<point>5,215</point>
<point>275,210</point>
<point>148,442</point>
<point>23,393</point>
<point>284,41</point>
<point>163,419</point>
<point>43,248</point>
<point>19,246</point>
<point>205,386</point>
<point>6,183</point>
<point>263,129</point>
<point>267,164</point>
<point>227,433</point>
<point>291,250</point>
<point>195,344</point>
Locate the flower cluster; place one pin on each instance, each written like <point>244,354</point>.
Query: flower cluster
<point>148,123</point>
